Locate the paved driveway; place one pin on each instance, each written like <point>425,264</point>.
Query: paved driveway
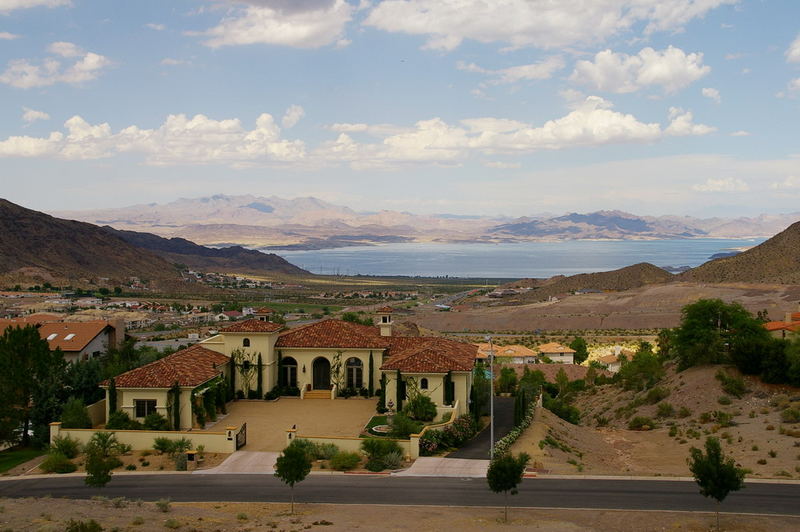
<point>268,421</point>
<point>478,447</point>
<point>434,466</point>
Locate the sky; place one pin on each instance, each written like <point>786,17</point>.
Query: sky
<point>501,107</point>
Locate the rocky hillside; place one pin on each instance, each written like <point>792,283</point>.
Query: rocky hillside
<point>235,259</point>
<point>623,279</point>
<point>776,260</point>
<point>66,249</point>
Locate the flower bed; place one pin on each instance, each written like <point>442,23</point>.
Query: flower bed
<point>502,445</point>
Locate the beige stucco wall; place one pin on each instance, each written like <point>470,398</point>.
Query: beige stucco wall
<point>126,397</point>
<point>263,343</point>
<point>306,356</point>
<point>353,444</point>
<point>97,412</point>
<point>462,385</point>
<point>140,440</point>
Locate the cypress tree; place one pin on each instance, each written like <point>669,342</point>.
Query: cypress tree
<point>371,371</point>
<point>176,406</point>
<point>281,384</point>
<point>259,381</point>
<point>401,391</point>
<point>232,367</point>
<point>112,396</point>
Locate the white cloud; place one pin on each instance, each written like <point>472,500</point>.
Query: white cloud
<point>32,115</point>
<point>155,27</point>
<point>501,165</point>
<point>539,23</point>
<point>793,53</point>
<point>728,184</point>
<point>790,183</point>
<point>535,71</point>
<point>592,123</point>
<point>298,24</point>
<point>65,49</point>
<point>711,94</point>
<point>292,116</point>
<point>682,124</point>
<point>6,36</point>
<point>740,133</point>
<point>23,74</point>
<point>179,140</point>
<point>6,6</point>
<point>671,69</point>
<point>169,61</point>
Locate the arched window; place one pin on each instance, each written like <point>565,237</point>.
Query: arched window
<point>289,372</point>
<point>246,342</point>
<point>355,373</point>
<point>423,383</point>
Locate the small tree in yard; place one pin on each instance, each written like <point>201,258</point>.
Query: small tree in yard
<point>101,459</point>
<point>505,473</point>
<point>293,466</point>
<point>716,474</point>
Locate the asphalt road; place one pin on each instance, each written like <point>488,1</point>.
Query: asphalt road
<point>353,489</point>
<point>478,447</point>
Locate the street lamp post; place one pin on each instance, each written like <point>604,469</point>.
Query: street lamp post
<point>491,398</point>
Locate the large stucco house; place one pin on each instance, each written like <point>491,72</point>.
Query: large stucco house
<point>318,360</point>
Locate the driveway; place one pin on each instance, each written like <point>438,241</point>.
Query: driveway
<point>267,421</point>
<point>478,447</point>
<point>244,462</point>
<point>433,466</point>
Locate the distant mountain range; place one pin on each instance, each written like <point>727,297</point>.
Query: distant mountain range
<point>37,245</point>
<point>310,223</point>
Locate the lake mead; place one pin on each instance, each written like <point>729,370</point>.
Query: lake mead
<point>516,260</point>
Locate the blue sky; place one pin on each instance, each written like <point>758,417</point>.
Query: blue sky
<point>508,107</point>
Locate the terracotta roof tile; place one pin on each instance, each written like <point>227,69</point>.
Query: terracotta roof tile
<point>189,367</point>
<point>69,336</point>
<point>554,347</point>
<point>429,355</point>
<point>385,310</point>
<point>334,333</point>
<point>252,326</point>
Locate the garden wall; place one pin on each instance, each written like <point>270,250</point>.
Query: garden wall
<point>351,444</point>
<point>97,412</point>
<point>140,440</point>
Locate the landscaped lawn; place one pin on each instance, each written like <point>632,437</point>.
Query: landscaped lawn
<point>11,458</point>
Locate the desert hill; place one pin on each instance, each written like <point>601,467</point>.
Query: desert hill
<point>31,240</point>
<point>776,260</point>
<point>625,278</point>
<point>230,259</point>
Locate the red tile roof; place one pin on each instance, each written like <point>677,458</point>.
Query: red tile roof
<point>385,310</point>
<point>188,367</point>
<point>429,355</point>
<point>772,326</point>
<point>252,326</point>
<point>334,333</point>
<point>554,348</point>
<point>70,336</point>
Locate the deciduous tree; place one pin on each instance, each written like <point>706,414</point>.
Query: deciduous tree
<point>716,474</point>
<point>505,473</point>
<point>292,467</point>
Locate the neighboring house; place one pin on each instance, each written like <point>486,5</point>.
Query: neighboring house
<point>509,354</point>
<point>320,359</point>
<point>77,340</point>
<point>611,362</point>
<point>782,329</point>
<point>146,389</point>
<point>556,352</point>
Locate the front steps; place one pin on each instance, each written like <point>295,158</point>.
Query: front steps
<point>317,394</point>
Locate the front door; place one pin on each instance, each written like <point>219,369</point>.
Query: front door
<point>322,374</point>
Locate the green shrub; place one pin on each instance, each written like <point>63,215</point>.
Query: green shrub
<point>378,448</point>
<point>641,423</point>
<point>724,419</point>
<point>393,460</point>
<point>684,412</point>
<point>307,446</point>
<point>420,408</point>
<point>172,523</point>
<point>163,445</point>
<point>180,462</point>
<point>724,400</point>
<point>74,415</point>
<point>82,526</point>
<point>325,451</point>
<point>163,505</point>
<point>181,446</point>
<point>403,426</point>
<point>130,467</point>
<point>655,395</point>
<point>374,465</point>
<point>731,385</point>
<point>65,445</point>
<point>120,420</point>
<point>665,410</point>
<point>563,410</point>
<point>56,462</point>
<point>155,421</point>
<point>791,415</point>
<point>345,461</point>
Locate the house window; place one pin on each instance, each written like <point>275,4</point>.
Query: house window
<point>423,384</point>
<point>289,372</point>
<point>246,342</point>
<point>355,373</point>
<point>144,407</point>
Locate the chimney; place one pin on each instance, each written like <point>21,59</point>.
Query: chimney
<point>117,332</point>
<point>787,317</point>
<point>385,320</point>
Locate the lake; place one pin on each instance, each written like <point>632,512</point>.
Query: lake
<point>515,260</point>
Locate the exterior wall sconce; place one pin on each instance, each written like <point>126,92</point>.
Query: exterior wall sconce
<point>304,368</point>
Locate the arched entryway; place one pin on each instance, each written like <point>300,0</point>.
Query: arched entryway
<point>321,374</point>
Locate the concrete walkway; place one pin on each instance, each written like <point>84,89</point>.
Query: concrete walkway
<point>247,462</point>
<point>432,466</point>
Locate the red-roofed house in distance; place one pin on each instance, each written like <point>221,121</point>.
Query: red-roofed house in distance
<point>77,340</point>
